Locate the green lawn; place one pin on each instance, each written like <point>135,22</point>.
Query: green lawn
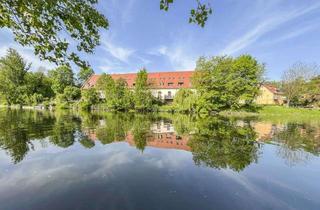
<point>279,113</point>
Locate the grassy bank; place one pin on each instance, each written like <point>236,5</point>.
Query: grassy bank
<point>279,113</point>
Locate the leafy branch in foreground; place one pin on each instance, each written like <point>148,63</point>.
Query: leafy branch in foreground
<point>46,25</point>
<point>198,15</point>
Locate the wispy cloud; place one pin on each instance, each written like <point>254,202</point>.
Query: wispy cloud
<point>296,33</point>
<point>270,23</point>
<point>120,53</point>
<point>178,56</point>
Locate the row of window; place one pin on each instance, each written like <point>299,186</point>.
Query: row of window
<point>170,83</point>
<point>163,84</point>
<point>171,78</point>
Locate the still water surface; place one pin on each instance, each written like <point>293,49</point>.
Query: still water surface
<point>125,161</point>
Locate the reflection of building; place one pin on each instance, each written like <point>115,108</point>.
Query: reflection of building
<point>168,140</point>
<point>270,95</point>
<point>91,133</point>
<point>265,131</point>
<point>161,135</point>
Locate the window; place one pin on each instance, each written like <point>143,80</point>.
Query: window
<point>169,93</point>
<point>180,83</point>
<point>159,95</point>
<point>170,83</point>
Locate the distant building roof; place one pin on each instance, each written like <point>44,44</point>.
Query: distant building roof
<point>157,80</point>
<point>272,89</point>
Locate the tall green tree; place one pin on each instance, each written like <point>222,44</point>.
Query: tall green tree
<point>39,83</point>
<point>84,74</point>
<point>185,101</point>
<point>117,95</point>
<point>143,98</point>
<point>227,83</point>
<point>71,93</point>
<point>61,77</point>
<point>88,98</point>
<point>123,96</point>
<point>106,85</point>
<point>13,70</point>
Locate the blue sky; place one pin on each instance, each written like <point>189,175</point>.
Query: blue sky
<point>276,32</point>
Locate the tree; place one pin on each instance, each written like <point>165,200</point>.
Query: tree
<point>106,85</point>
<point>88,98</point>
<point>311,93</point>
<point>294,79</point>
<point>13,70</point>
<point>227,83</point>
<point>39,83</point>
<point>84,74</point>
<point>47,25</point>
<point>71,93</point>
<point>185,100</point>
<point>61,77</point>
<point>123,97</point>
<point>143,98</point>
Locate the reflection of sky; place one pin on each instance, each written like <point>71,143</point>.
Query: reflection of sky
<point>118,176</point>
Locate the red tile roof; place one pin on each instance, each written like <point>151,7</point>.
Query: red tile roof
<point>157,80</point>
<point>272,89</point>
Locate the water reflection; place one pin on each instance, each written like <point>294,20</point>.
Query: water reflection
<point>214,142</point>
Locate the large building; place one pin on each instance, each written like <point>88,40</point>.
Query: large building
<point>163,85</point>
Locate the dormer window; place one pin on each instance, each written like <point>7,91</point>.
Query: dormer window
<point>170,83</point>
<point>180,83</point>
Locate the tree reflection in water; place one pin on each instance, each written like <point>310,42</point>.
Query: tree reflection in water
<point>213,141</point>
<point>222,143</point>
<point>297,142</point>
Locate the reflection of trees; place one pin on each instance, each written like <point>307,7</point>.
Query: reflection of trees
<point>115,128</point>
<point>18,128</point>
<point>296,141</point>
<point>221,143</point>
<point>183,124</point>
<point>85,141</point>
<point>141,130</point>
<point>63,130</point>
<point>214,142</point>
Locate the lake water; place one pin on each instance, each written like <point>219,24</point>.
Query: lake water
<point>124,161</point>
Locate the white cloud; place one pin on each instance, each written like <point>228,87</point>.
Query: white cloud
<point>117,52</point>
<point>270,23</point>
<point>162,50</point>
<point>178,56</point>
